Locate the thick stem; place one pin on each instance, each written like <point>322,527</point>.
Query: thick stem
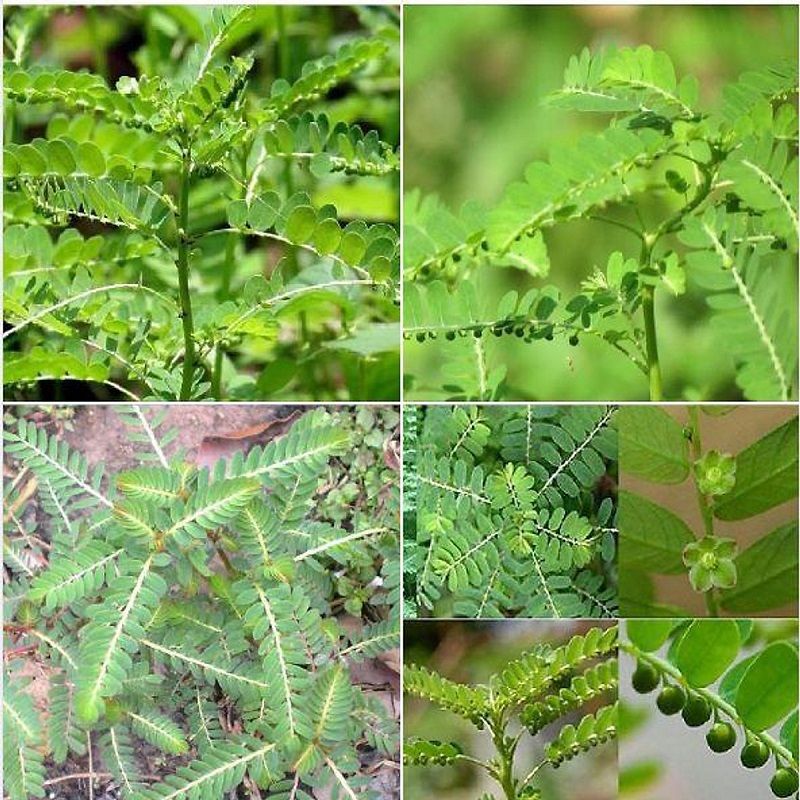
<point>651,343</point>
<point>505,758</point>
<point>184,295</point>
<point>649,313</point>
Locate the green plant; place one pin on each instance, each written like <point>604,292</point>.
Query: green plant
<point>510,514</point>
<point>532,692</point>
<point>201,610</point>
<point>727,179</point>
<point>747,685</point>
<point>728,488</point>
<point>177,236</point>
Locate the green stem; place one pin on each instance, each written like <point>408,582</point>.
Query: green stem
<point>712,602</point>
<point>505,757</point>
<point>184,294</point>
<point>651,343</point>
<point>650,335</point>
<point>665,668</point>
<point>697,452</point>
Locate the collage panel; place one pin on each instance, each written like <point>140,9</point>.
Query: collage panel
<point>510,709</point>
<point>201,203</point>
<point>510,511</point>
<point>600,203</point>
<point>201,601</point>
<point>708,512</point>
<point>708,708</point>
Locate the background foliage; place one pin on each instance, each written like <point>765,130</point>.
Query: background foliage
<point>474,120</point>
<point>201,203</point>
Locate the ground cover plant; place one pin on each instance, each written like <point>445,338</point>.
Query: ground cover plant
<point>721,676</point>
<point>706,193</point>
<point>203,624</point>
<point>201,203</point>
<point>728,488</point>
<point>533,691</point>
<point>510,511</point>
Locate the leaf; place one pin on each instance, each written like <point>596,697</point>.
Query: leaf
<point>379,337</point>
<point>768,690</point>
<point>766,475</point>
<point>788,734</point>
<point>652,445</point>
<point>648,634</point>
<point>767,572</point>
<point>706,650</point>
<point>652,538</point>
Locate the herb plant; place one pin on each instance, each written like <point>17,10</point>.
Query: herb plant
<point>509,511</point>
<point>219,222</point>
<point>655,540</point>
<point>532,692</point>
<point>726,177</point>
<point>200,611</point>
<point>741,696</point>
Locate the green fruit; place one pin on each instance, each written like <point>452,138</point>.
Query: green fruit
<point>721,737</point>
<point>671,700</point>
<point>697,711</point>
<point>784,782</point>
<point>754,755</point>
<point>645,678</point>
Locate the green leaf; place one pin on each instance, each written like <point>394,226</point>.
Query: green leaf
<point>766,475</point>
<point>301,223</point>
<point>767,572</point>
<point>379,337</point>
<point>649,634</point>
<point>729,684</point>
<point>788,734</point>
<point>768,690</point>
<point>707,649</point>
<point>652,445</point>
<point>237,214</point>
<point>652,538</point>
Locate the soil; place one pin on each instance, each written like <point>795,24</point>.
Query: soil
<point>100,433</point>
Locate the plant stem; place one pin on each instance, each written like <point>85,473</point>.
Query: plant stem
<point>665,668</point>
<point>649,313</point>
<point>651,343</point>
<point>183,280</point>
<point>504,774</point>
<point>697,452</point>
<point>216,375</point>
<point>712,602</point>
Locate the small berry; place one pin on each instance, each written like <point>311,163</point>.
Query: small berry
<point>784,782</point>
<point>754,755</point>
<point>645,678</point>
<point>721,737</point>
<point>671,700</point>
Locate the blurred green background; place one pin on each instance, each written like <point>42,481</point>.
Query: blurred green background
<point>472,652</point>
<point>474,77</point>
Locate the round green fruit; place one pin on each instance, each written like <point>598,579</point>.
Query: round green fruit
<point>645,678</point>
<point>671,700</point>
<point>697,711</point>
<point>754,755</point>
<point>784,782</point>
<point>721,737</point>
